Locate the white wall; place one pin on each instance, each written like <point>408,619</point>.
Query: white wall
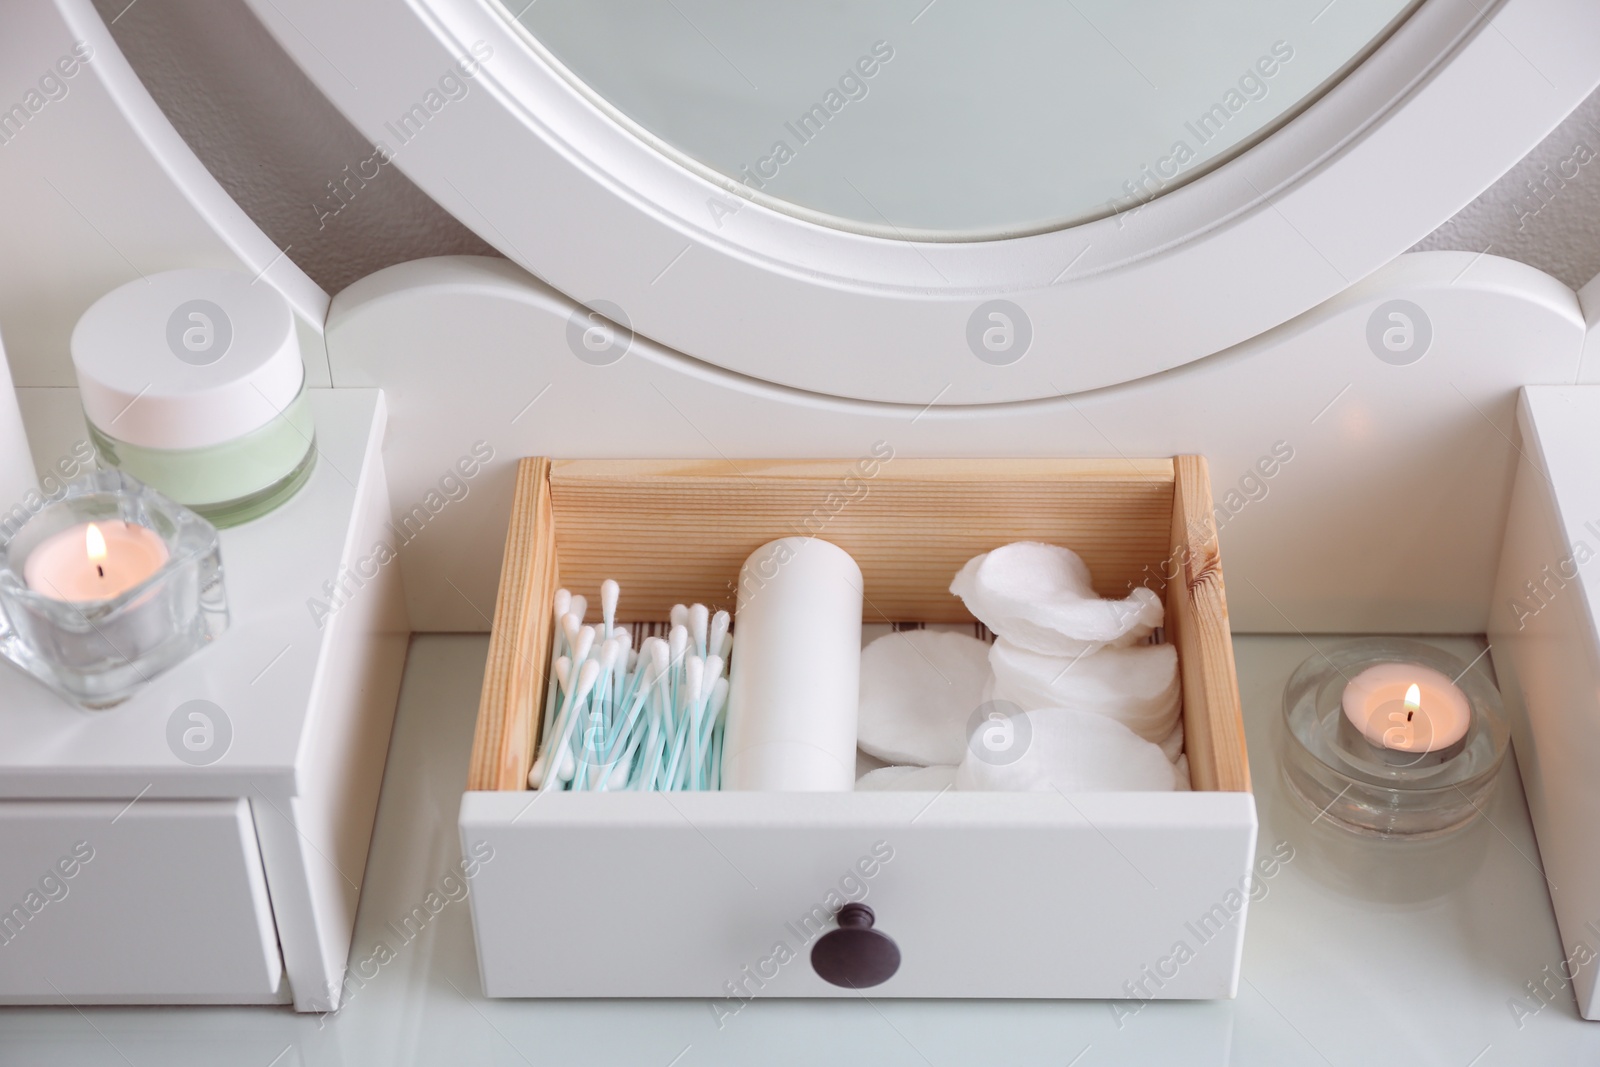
<point>1557,228</point>
<point>275,143</point>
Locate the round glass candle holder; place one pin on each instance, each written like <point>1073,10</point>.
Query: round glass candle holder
<point>1343,776</point>
<point>97,652</point>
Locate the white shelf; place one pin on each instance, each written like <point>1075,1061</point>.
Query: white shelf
<point>261,672</point>
<point>1361,952</point>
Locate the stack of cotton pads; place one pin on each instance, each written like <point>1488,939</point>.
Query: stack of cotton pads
<point>918,689</point>
<point>1071,696</point>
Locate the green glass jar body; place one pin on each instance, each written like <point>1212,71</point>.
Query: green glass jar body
<point>231,482</point>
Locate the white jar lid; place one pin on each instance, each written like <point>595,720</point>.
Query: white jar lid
<point>187,359</point>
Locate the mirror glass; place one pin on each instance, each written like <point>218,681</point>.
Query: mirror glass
<point>955,119</point>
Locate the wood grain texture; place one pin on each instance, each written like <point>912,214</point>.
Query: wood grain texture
<point>514,677</point>
<point>1197,623</point>
<point>678,531</point>
<point>675,531</point>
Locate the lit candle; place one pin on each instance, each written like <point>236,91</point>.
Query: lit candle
<point>1406,707</point>
<point>94,560</point>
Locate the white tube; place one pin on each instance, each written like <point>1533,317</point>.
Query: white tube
<point>796,672</point>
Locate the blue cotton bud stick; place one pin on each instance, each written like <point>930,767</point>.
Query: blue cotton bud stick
<point>627,661</point>
<point>661,697</point>
<point>678,718</point>
<point>573,709</point>
<point>650,758</point>
<point>583,644</point>
<point>629,725</point>
<point>677,646</point>
<point>610,653</point>
<point>562,670</point>
<point>713,671</point>
<point>554,687</point>
<point>563,604</point>
<point>568,717</point>
<point>713,697</point>
<point>592,744</point>
<point>694,675</point>
<point>714,707</point>
<point>632,675</point>
<point>570,625</point>
<point>719,630</point>
<point>698,689</point>
<point>699,735</point>
<point>716,757</point>
<point>608,603</point>
<point>699,616</point>
<point>617,779</point>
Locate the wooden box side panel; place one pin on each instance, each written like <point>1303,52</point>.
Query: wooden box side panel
<point>514,677</point>
<point>1197,623</point>
<point>678,531</point>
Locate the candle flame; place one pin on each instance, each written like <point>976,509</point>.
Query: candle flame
<point>1413,700</point>
<point>95,543</point>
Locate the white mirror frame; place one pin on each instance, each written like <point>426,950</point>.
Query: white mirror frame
<point>1454,97</point>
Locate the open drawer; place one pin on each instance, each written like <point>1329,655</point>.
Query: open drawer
<point>988,894</point>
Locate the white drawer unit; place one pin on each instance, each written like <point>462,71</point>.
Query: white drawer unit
<point>172,908</point>
<point>724,894</point>
<point>158,901</point>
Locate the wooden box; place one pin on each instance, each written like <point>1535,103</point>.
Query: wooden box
<point>988,894</point>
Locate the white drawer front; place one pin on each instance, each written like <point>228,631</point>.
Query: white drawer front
<point>159,902</point>
<point>721,895</point>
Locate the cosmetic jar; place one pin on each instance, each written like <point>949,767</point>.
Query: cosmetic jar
<point>192,382</point>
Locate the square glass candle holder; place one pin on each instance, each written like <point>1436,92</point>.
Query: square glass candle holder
<point>1392,737</point>
<point>156,562</point>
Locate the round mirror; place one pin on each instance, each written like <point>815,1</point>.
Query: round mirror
<point>944,204</point>
<point>950,120</point>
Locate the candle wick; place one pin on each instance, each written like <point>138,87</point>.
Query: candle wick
<point>1409,714</point>
<point>100,570</point>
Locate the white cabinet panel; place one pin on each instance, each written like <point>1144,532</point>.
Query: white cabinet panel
<point>157,901</point>
<point>987,894</point>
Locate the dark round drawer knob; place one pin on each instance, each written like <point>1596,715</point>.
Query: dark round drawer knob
<point>855,956</point>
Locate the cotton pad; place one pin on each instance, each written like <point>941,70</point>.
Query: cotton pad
<point>907,779</point>
<point>865,763</point>
<point>1070,751</point>
<point>918,690</point>
<point>1172,744</point>
<point>1136,685</point>
<point>1041,598</point>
